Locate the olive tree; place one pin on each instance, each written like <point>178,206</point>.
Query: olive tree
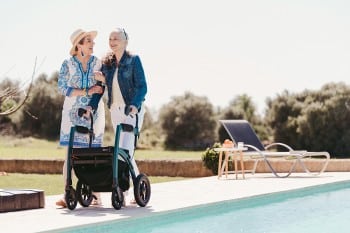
<point>42,113</point>
<point>188,122</point>
<point>242,107</point>
<point>313,120</point>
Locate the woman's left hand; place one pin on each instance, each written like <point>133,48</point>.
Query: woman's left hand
<point>99,76</point>
<point>133,110</point>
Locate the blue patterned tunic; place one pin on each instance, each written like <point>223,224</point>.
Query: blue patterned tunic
<point>72,77</point>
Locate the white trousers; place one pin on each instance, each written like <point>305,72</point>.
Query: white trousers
<point>127,139</point>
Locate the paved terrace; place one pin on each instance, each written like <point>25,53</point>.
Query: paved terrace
<point>165,197</point>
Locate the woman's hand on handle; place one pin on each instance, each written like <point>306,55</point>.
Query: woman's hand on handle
<point>133,110</point>
<point>100,77</point>
<point>95,90</point>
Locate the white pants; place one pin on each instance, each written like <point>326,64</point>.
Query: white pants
<point>127,139</point>
<point>64,171</point>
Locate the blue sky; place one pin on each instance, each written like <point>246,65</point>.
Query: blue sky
<point>217,49</point>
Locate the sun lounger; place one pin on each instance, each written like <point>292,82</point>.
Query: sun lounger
<point>241,131</point>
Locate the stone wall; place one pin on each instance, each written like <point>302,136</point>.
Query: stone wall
<point>187,168</point>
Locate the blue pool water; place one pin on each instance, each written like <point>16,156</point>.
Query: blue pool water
<point>321,209</point>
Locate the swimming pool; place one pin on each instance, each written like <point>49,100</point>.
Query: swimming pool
<point>321,209</point>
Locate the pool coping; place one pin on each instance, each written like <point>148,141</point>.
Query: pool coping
<point>165,197</point>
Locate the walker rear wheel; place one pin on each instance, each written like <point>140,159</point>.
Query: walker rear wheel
<point>142,190</point>
<point>84,194</point>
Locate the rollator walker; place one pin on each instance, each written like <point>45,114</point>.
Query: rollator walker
<point>103,169</point>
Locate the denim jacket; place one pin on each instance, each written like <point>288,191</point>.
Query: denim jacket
<point>131,79</point>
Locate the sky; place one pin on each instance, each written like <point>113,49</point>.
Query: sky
<point>218,49</point>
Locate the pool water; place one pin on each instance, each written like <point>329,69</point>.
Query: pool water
<point>321,209</point>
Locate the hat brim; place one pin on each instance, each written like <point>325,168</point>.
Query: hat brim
<point>93,35</point>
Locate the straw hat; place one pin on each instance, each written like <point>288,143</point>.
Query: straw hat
<point>77,36</point>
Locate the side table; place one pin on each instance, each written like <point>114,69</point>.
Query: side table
<point>236,153</point>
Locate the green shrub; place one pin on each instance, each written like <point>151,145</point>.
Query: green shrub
<point>211,158</point>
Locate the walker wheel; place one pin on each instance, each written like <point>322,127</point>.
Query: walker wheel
<point>84,194</point>
<point>117,198</point>
<point>70,198</point>
<point>142,190</point>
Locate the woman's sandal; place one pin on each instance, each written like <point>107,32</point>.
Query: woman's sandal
<point>61,203</point>
<point>96,199</point>
<point>96,202</point>
<point>132,202</point>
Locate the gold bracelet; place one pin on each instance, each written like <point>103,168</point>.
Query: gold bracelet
<point>86,91</point>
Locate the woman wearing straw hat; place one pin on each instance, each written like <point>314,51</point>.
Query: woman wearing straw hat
<point>76,82</point>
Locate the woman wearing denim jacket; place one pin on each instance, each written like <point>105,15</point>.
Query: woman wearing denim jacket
<point>126,84</point>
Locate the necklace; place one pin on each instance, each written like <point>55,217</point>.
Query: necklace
<point>85,74</point>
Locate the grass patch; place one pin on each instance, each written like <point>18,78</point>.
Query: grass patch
<point>32,148</point>
<point>53,184</point>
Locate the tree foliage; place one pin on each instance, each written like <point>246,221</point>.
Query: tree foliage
<point>313,120</point>
<point>316,120</point>
<point>150,135</point>
<point>42,117</point>
<point>242,107</point>
<point>188,122</point>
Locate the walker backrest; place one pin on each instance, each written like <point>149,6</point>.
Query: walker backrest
<point>241,131</point>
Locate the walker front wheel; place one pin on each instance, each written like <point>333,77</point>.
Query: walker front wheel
<point>117,198</point>
<point>142,190</point>
<point>70,198</point>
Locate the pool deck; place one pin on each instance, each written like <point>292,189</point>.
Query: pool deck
<point>165,197</point>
